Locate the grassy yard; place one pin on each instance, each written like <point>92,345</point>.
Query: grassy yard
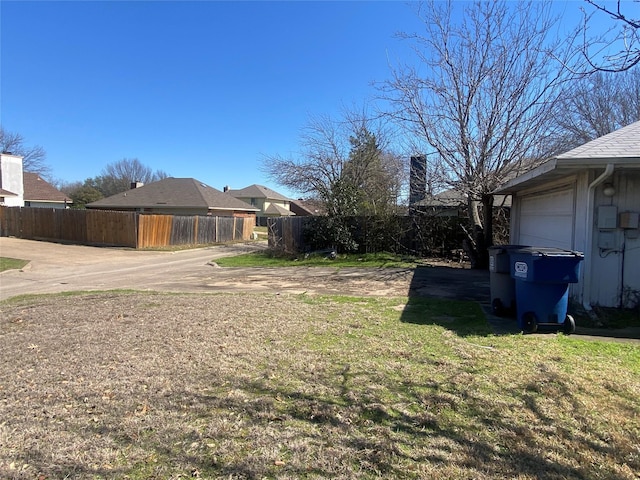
<point>271,259</point>
<point>262,232</point>
<point>141,385</point>
<point>11,263</point>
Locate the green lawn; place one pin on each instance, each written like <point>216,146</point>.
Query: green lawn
<point>11,263</point>
<point>270,259</point>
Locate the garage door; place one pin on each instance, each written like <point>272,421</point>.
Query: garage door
<point>546,219</point>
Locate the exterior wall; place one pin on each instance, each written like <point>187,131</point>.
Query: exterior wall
<point>174,211</point>
<point>11,179</point>
<point>231,213</point>
<point>279,203</point>
<point>43,204</point>
<point>257,203</point>
<point>263,204</point>
<point>182,211</point>
<point>615,252</point>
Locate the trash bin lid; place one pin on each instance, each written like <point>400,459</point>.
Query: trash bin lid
<point>504,248</point>
<point>548,252</point>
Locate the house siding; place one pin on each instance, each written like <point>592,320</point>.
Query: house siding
<point>44,204</point>
<point>263,204</point>
<point>615,274</point>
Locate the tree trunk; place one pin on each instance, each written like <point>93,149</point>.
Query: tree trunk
<point>481,235</point>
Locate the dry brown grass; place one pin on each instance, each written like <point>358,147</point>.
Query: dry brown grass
<point>136,385</point>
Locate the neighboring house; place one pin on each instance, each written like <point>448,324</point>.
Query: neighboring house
<point>307,208</point>
<point>269,202</point>
<point>176,196</point>
<point>587,200</point>
<point>447,203</point>
<point>451,203</point>
<point>39,193</point>
<point>27,189</point>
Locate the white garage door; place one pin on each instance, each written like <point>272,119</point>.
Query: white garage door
<point>546,219</point>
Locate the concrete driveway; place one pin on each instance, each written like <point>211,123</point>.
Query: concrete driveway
<point>56,267</point>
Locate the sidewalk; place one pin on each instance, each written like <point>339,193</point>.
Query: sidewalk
<point>509,326</point>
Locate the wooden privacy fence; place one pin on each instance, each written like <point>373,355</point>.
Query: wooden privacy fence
<point>287,233</point>
<point>165,230</point>
<point>122,229</point>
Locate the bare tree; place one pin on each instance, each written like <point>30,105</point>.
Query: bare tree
<point>599,104</point>
<point>33,157</point>
<point>618,49</point>
<point>481,97</point>
<point>346,164</point>
<point>118,176</point>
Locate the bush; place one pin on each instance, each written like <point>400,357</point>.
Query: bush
<point>420,235</point>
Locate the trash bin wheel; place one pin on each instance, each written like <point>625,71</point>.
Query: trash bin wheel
<point>569,325</point>
<point>529,322</point>
<point>497,307</point>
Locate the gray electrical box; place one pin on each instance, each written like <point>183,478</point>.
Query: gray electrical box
<point>607,240</point>
<point>607,217</point>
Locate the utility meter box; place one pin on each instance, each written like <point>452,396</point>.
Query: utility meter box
<point>629,219</point>
<point>607,217</point>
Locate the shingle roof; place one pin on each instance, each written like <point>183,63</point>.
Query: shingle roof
<point>623,143</point>
<point>38,190</point>
<point>274,209</point>
<point>307,207</point>
<point>620,148</point>
<point>174,192</point>
<point>7,193</point>
<point>258,191</point>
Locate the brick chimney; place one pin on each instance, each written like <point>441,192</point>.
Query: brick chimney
<point>417,179</point>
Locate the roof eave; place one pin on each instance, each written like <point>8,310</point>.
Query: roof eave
<point>561,167</point>
<point>514,184</point>
<point>232,209</point>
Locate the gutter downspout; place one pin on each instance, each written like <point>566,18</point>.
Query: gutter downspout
<point>586,276</point>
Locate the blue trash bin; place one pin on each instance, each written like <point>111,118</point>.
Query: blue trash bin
<point>502,286</point>
<point>542,276</point>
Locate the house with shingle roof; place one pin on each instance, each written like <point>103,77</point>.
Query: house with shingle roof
<point>451,203</point>
<point>176,196</point>
<point>269,202</point>
<point>587,200</point>
<point>39,193</point>
<point>307,208</point>
<point>27,189</point>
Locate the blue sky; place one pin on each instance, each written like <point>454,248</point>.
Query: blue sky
<point>201,89</point>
